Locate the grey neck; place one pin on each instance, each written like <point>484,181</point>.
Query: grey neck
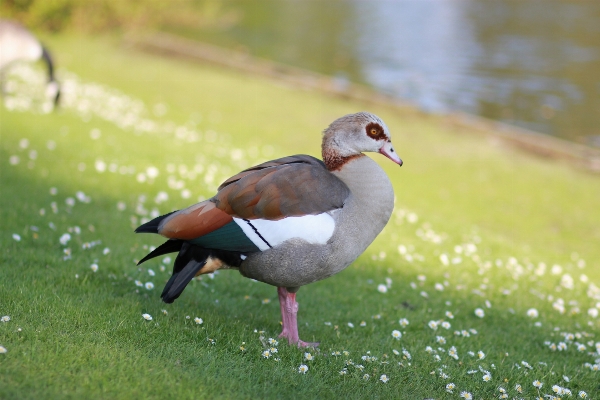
<point>367,210</point>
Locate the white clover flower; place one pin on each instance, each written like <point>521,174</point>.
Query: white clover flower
<point>406,354</point>
<point>538,384</point>
<point>5,318</point>
<point>444,259</point>
<point>149,285</point>
<point>308,356</point>
<point>382,288</point>
<point>199,321</point>
<point>302,369</point>
<point>94,267</point>
<point>384,378</point>
<point>557,389</point>
<point>453,353</point>
<point>396,334</point>
<point>532,313</point>
<point>64,239</point>
<point>519,388</point>
<point>479,312</point>
<point>403,322</point>
<point>562,346</point>
<point>147,317</point>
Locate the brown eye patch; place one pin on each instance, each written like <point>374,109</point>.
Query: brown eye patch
<point>375,131</point>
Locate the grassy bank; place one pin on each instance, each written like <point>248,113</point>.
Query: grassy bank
<point>475,226</point>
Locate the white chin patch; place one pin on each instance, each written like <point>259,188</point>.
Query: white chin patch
<point>265,234</point>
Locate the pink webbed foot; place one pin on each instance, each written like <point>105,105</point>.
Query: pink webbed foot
<point>289,313</point>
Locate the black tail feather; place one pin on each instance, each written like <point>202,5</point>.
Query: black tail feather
<point>51,78</point>
<point>170,246</point>
<point>48,59</point>
<point>189,262</point>
<point>152,226</point>
<point>179,281</point>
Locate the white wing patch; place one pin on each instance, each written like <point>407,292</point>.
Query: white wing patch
<point>315,229</point>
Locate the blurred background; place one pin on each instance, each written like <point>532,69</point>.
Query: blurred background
<point>532,64</point>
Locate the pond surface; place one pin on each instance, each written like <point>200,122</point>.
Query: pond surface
<point>534,64</point>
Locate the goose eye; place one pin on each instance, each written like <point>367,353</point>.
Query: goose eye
<point>375,131</point>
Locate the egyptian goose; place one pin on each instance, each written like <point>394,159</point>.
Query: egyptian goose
<point>18,44</point>
<point>287,222</point>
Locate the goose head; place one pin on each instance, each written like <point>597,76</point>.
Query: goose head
<point>351,135</point>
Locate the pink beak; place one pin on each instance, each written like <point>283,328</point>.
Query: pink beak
<point>388,150</point>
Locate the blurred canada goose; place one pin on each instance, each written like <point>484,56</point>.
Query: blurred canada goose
<point>287,222</point>
<point>18,44</point>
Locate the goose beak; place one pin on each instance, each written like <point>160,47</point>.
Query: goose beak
<point>388,150</point>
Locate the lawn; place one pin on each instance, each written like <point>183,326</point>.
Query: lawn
<point>489,269</point>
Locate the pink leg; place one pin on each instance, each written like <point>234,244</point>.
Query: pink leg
<point>289,312</point>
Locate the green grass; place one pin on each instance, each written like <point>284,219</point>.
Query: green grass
<point>75,333</point>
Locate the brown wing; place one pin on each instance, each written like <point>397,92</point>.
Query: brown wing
<point>194,221</point>
<point>290,186</point>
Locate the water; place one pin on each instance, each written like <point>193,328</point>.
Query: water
<point>534,64</point>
